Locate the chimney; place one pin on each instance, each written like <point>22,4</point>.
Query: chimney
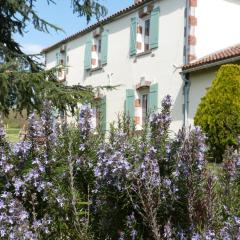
<point>137,1</point>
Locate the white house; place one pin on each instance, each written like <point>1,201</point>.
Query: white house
<point>141,48</point>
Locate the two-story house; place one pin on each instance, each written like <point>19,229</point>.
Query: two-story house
<point>138,48</point>
<point>142,49</point>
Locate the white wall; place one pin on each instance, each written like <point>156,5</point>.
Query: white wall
<point>200,82</point>
<point>127,71</point>
<point>218,25</point>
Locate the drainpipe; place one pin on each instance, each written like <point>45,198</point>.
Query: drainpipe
<point>186,90</point>
<point>185,76</point>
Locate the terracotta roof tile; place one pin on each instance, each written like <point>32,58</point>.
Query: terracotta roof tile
<point>227,53</point>
<point>94,26</point>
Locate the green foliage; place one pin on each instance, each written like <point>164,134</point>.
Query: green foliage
<point>16,15</point>
<point>26,90</point>
<point>24,83</point>
<point>219,111</point>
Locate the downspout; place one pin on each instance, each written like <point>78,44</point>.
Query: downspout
<point>186,90</point>
<point>185,77</point>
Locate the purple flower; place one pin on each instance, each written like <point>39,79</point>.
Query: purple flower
<point>21,148</point>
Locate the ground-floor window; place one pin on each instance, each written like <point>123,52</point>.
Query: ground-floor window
<point>144,106</point>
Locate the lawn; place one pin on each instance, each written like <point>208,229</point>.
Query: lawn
<point>13,134</point>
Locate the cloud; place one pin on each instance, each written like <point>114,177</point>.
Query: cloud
<point>30,48</point>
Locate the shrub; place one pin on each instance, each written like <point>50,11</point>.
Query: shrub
<point>69,183</point>
<point>219,111</point>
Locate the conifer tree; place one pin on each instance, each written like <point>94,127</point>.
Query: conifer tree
<point>219,111</point>
<point>26,87</point>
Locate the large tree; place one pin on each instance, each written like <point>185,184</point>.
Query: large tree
<point>26,88</point>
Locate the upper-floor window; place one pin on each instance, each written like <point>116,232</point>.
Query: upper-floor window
<point>144,30</point>
<point>61,62</point>
<point>96,50</point>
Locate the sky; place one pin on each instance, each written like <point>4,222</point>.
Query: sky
<point>61,14</point>
<point>217,24</point>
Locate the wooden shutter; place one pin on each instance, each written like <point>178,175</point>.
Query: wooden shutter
<point>129,104</point>
<point>103,114</point>
<point>104,47</point>
<point>57,58</point>
<point>133,36</point>
<point>88,55</point>
<point>153,98</point>
<point>154,28</point>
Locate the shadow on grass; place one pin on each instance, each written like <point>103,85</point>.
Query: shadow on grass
<point>13,134</point>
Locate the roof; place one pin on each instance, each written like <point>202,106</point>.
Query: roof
<point>98,24</point>
<point>227,54</point>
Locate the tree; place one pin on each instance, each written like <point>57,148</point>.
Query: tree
<point>219,111</point>
<point>26,88</point>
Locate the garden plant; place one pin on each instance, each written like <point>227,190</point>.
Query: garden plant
<point>69,182</point>
<point>218,114</point>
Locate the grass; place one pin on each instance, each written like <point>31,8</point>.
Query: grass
<point>13,134</point>
<point>215,168</point>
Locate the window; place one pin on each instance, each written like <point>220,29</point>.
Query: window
<point>143,31</point>
<point>61,64</point>
<point>96,52</point>
<point>144,108</point>
<point>146,35</point>
<point>99,51</point>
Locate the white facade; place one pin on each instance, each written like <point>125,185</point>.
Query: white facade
<point>121,69</point>
<point>200,81</point>
<point>217,25</point>
<point>177,45</point>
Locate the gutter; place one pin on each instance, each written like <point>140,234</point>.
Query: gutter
<point>210,65</point>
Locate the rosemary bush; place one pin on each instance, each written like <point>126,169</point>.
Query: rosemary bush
<point>67,182</point>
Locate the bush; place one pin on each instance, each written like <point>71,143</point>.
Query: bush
<point>219,111</point>
<point>69,183</point>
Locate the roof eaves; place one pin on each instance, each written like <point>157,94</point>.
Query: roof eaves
<point>211,64</point>
<point>98,24</point>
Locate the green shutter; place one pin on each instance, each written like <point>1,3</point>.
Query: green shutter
<point>104,47</point>
<point>154,28</point>
<point>153,98</point>
<point>103,114</point>
<point>129,104</point>
<point>133,36</point>
<point>88,55</point>
<point>57,58</point>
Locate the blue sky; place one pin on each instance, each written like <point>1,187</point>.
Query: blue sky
<point>61,15</point>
